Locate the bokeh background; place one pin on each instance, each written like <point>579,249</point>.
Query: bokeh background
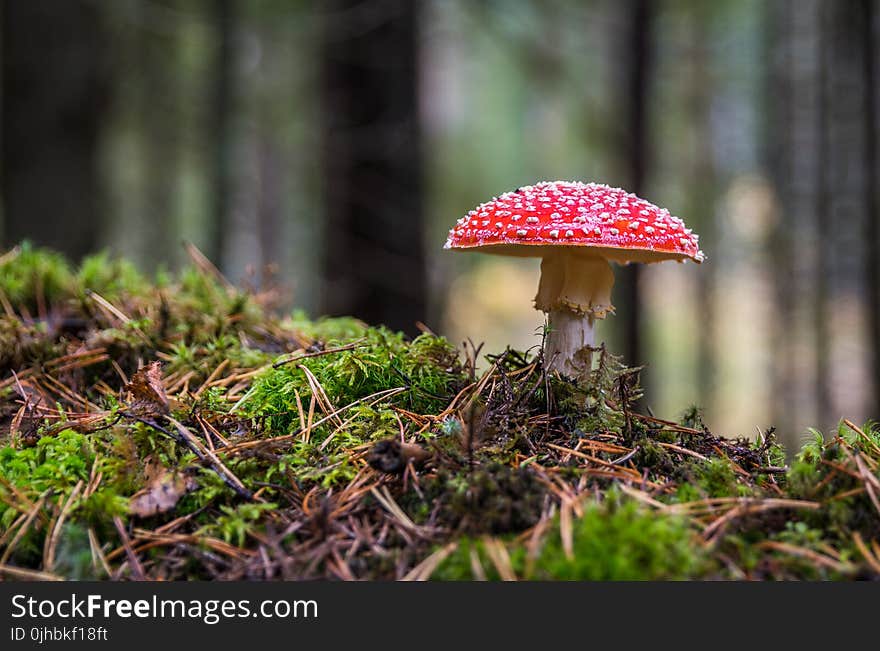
<point>329,146</point>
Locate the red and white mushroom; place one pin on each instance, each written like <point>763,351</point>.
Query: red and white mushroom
<point>576,229</point>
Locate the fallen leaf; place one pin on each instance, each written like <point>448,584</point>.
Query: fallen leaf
<point>147,391</point>
<point>163,490</point>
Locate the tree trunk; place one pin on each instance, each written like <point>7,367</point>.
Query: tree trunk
<point>374,260</point>
<point>777,127</point>
<point>789,138</point>
<point>872,246</point>
<point>224,18</point>
<point>639,60</point>
<point>823,219</point>
<point>846,207</point>
<point>703,184</point>
<point>159,136</point>
<point>55,83</point>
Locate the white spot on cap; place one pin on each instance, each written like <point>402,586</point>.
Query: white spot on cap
<point>522,232</point>
<point>554,233</point>
<point>569,233</point>
<point>531,220</point>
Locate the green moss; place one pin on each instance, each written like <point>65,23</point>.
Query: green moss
<point>236,523</point>
<point>761,562</point>
<point>115,279</point>
<point>56,463</point>
<point>814,475</point>
<point>427,371</point>
<point>624,542</point>
<point>339,330</point>
<point>50,470</point>
<point>805,472</point>
<point>601,398</point>
<point>502,458</point>
<point>615,541</point>
<point>711,478</point>
<point>36,274</point>
<point>692,417</point>
<point>493,499</point>
<point>203,356</point>
<point>23,344</point>
<point>774,451</point>
<point>74,559</point>
<point>651,455</point>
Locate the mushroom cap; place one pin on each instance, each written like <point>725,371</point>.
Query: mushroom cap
<point>585,218</point>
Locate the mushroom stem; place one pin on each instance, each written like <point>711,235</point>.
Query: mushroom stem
<point>569,333</point>
<point>575,290</point>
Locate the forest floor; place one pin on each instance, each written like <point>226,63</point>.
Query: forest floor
<point>178,428</point>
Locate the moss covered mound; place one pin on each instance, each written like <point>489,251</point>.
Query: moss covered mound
<point>178,428</point>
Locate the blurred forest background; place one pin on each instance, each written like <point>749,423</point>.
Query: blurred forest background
<point>329,146</point>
